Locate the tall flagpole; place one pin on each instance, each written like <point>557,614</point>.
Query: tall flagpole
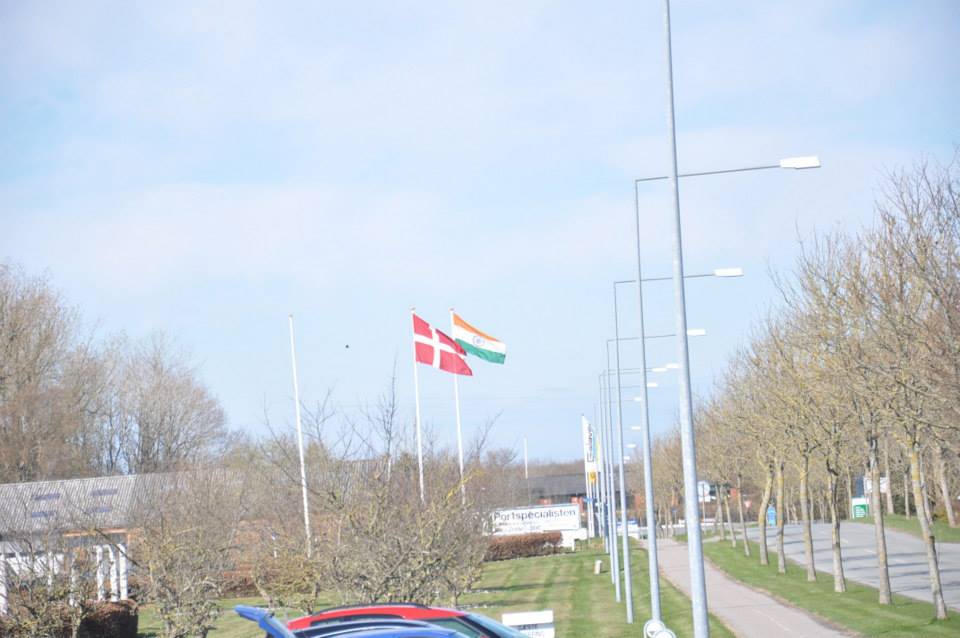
<point>456,400</point>
<point>526,471</point>
<point>303,466</point>
<point>416,394</point>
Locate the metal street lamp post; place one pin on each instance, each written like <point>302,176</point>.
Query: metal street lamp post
<point>653,563</point>
<point>611,490</point>
<point>694,542</point>
<point>602,467</point>
<point>627,576</point>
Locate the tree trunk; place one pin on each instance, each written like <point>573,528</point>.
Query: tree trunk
<point>924,491</point>
<point>886,471</point>
<point>718,516</point>
<point>781,520</point>
<point>873,462</point>
<point>762,516</point>
<point>805,517</point>
<point>941,471</point>
<point>729,519</point>
<point>743,522</point>
<point>935,587</point>
<point>906,494</point>
<point>839,582</point>
<point>849,495</point>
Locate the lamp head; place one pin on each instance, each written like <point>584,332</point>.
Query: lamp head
<point>808,161</point>
<point>728,272</point>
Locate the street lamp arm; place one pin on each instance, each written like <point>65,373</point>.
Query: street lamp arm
<point>692,332</point>
<point>705,173</point>
<point>810,161</point>
<point>719,272</point>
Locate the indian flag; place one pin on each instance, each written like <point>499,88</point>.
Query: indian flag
<point>477,343</point>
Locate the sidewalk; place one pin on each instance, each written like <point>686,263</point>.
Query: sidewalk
<point>747,612</point>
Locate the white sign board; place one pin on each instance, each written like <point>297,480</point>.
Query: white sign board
<point>703,492</point>
<point>529,520</point>
<point>538,624</point>
<point>868,484</point>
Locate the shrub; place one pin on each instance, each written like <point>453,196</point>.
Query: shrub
<point>55,623</point>
<point>519,546</point>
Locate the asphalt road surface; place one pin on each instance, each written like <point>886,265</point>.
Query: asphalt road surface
<point>906,556</point>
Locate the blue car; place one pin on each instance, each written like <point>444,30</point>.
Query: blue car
<point>277,629</point>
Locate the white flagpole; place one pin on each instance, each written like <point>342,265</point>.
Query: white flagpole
<point>303,467</point>
<point>526,473</point>
<point>456,400</point>
<point>416,393</point>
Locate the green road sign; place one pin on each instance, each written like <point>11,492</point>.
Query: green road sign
<point>860,510</point>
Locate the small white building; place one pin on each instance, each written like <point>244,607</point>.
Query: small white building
<point>46,526</point>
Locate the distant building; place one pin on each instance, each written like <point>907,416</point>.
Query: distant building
<point>559,488</point>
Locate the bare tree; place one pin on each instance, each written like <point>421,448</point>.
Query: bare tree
<point>189,525</point>
<point>377,539</point>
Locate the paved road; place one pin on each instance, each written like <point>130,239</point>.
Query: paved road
<point>749,613</point>
<point>906,556</point>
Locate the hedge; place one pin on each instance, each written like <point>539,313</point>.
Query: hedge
<point>519,546</point>
<point>111,620</point>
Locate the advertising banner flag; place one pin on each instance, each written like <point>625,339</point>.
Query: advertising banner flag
<point>589,446</point>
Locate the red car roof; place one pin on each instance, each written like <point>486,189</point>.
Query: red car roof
<point>408,612</point>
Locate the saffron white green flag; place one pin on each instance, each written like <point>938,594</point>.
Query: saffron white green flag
<point>477,343</point>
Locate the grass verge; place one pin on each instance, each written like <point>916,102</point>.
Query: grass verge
<point>229,624</point>
<point>583,603</point>
<point>941,530</point>
<point>857,609</point>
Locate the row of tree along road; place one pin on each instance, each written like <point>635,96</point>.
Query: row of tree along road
<point>855,374</point>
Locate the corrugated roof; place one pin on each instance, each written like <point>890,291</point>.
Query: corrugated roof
<point>70,505</point>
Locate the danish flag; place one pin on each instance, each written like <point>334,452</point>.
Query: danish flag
<point>437,349</point>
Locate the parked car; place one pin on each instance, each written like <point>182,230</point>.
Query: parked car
<point>469,624</point>
<point>346,627</point>
<point>276,628</point>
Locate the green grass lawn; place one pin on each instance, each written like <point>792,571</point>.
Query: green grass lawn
<point>229,625</point>
<point>857,609</point>
<point>941,530</point>
<point>583,603</point>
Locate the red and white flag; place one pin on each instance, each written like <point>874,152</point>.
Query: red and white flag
<point>437,349</point>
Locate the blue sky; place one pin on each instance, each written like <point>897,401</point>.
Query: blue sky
<point>207,168</point>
